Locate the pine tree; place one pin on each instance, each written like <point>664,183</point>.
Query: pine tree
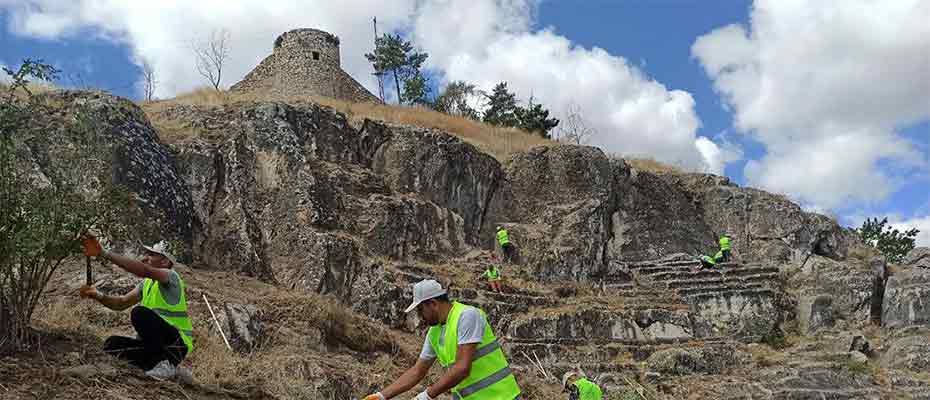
<point>396,56</point>
<point>536,119</point>
<point>502,107</point>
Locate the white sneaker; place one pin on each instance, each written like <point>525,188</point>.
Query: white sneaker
<point>164,370</point>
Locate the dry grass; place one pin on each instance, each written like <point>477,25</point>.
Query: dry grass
<point>651,165</point>
<point>863,252</point>
<point>499,142</point>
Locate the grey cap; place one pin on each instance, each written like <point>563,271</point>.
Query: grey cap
<point>425,290</point>
<point>161,248</point>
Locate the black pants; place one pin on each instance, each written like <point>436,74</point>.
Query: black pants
<point>507,249</point>
<point>726,256</point>
<point>157,341</point>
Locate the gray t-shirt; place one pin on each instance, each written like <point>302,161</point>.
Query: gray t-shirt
<point>170,291</point>
<point>471,330</point>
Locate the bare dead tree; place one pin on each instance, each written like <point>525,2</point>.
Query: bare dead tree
<point>149,81</point>
<point>211,56</point>
<point>574,128</point>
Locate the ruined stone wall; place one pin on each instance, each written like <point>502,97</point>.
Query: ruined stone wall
<point>305,62</point>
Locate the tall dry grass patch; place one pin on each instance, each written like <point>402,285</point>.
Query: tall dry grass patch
<point>651,165</point>
<point>497,141</point>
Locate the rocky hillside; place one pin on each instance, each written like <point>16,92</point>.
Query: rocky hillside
<point>306,231</point>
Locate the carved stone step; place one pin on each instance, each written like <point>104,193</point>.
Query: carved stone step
<point>729,272</point>
<point>738,281</point>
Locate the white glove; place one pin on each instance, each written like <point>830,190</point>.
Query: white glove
<point>423,396</point>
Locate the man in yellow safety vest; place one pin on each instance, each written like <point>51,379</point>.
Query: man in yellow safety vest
<point>580,388</point>
<point>724,248</point>
<point>461,337</point>
<point>503,239</point>
<point>493,274</point>
<point>161,321</point>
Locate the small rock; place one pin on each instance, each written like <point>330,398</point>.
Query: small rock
<point>860,344</point>
<point>245,326</point>
<point>858,357</point>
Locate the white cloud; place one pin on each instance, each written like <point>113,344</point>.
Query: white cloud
<point>4,78</point>
<point>487,41</point>
<point>163,31</point>
<point>921,223</point>
<point>824,86</point>
<point>717,156</point>
<point>480,41</point>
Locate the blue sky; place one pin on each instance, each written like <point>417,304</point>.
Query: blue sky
<point>672,72</point>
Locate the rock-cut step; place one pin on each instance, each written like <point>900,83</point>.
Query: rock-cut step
<point>720,280</point>
<point>725,272</point>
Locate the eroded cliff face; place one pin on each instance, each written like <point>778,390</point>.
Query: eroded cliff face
<point>297,196</point>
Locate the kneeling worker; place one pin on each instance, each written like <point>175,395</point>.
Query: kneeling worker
<point>494,275</point>
<point>580,388</point>
<point>161,322</point>
<point>461,338</point>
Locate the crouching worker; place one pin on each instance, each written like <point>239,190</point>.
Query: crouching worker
<point>161,322</point>
<point>580,388</point>
<point>708,262</point>
<point>463,341</point>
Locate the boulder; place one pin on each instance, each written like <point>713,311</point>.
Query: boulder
<point>849,285</point>
<point>910,352</point>
<point>654,219</point>
<point>244,326</point>
<point>561,202</point>
<point>907,299</point>
<point>764,227</point>
<point>815,313</point>
<point>746,315</point>
<point>815,382</point>
<point>702,360</point>
<point>919,257</point>
<point>140,163</point>
<point>287,193</point>
<point>444,170</point>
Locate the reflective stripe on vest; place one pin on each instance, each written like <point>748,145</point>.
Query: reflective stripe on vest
<point>724,243</point>
<point>174,315</point>
<point>502,237</point>
<point>587,390</point>
<point>490,377</point>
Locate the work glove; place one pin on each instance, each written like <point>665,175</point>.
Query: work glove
<point>376,396</point>
<point>92,246</point>
<point>88,292</point>
<point>423,396</point>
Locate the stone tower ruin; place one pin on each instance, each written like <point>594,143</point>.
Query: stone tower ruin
<point>304,62</point>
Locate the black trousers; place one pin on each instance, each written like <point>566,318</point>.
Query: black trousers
<point>508,250</point>
<point>157,341</point>
<point>726,255</point>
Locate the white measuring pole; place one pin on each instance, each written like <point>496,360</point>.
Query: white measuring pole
<point>218,327</point>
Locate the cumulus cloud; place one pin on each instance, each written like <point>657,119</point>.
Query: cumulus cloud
<point>4,78</point>
<point>921,223</point>
<point>480,41</point>
<point>488,41</point>
<point>162,32</point>
<point>824,86</point>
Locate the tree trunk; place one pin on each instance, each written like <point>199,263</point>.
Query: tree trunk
<point>400,100</point>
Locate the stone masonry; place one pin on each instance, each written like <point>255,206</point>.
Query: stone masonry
<point>304,62</point>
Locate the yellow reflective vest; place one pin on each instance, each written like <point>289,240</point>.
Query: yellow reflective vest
<point>176,315</point>
<point>490,377</point>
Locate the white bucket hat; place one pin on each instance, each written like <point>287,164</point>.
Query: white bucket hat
<point>425,290</point>
<point>161,248</point>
